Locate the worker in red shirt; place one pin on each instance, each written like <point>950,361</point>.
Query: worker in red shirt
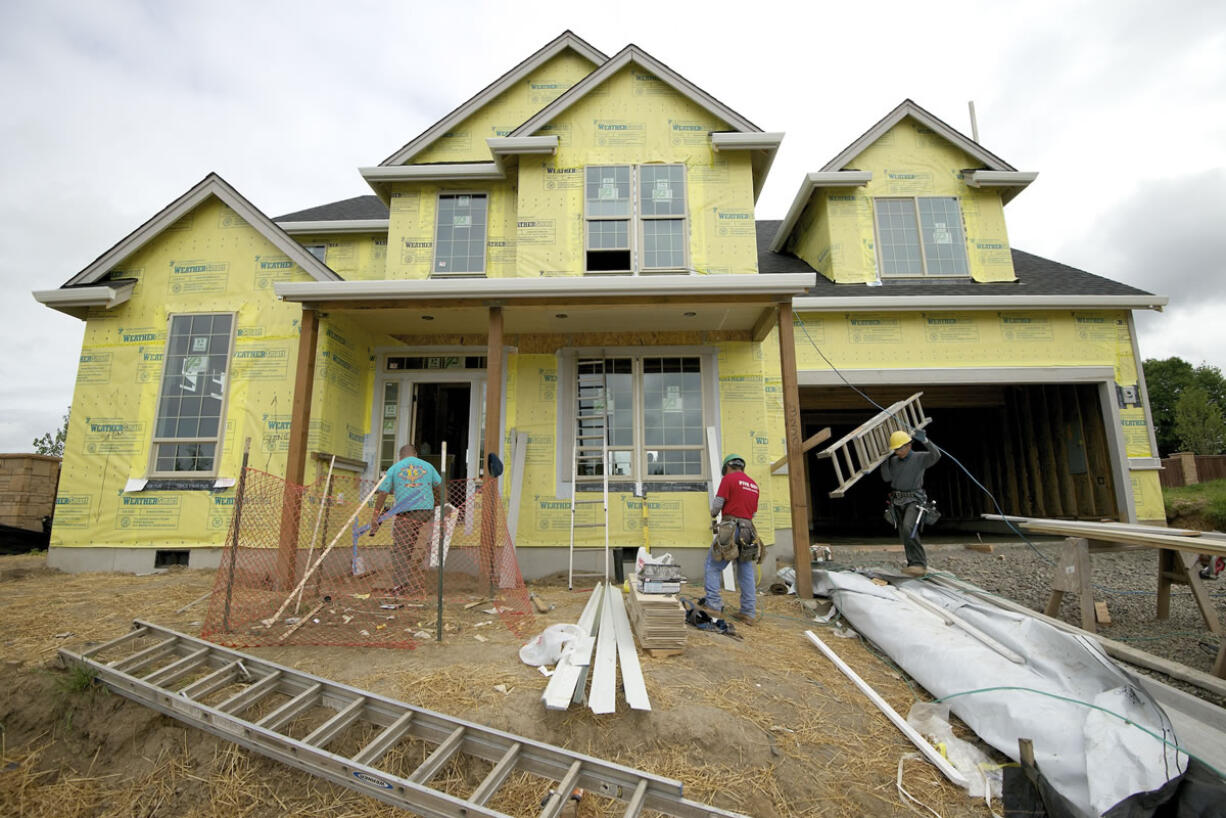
<point>735,539</point>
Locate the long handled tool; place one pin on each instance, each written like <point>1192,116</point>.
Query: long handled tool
<point>318,517</point>
<point>311,570</point>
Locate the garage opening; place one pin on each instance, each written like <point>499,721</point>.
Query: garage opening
<point>1041,449</point>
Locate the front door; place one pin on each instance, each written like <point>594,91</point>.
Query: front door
<point>442,412</point>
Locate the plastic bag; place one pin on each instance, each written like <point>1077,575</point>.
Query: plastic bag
<point>549,644</point>
<point>643,557</point>
<point>932,721</point>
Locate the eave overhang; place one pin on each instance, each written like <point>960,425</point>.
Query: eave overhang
<point>762,145</point>
<point>380,176</point>
<point>812,183</point>
<point>1009,182</point>
<point>335,226</point>
<point>75,300</point>
<point>958,303</point>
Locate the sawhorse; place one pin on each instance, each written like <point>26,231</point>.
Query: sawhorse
<point>1174,567</point>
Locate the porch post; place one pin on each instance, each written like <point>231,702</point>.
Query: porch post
<point>491,502</point>
<point>797,490</point>
<point>295,461</point>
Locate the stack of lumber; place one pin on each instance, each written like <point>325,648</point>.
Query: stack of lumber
<point>658,619</point>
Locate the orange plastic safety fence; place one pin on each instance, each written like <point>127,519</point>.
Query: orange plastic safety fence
<point>302,567</point>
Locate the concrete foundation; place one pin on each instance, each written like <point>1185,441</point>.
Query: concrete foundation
<point>125,560</point>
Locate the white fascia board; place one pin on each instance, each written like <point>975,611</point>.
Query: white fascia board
<point>729,141</point>
<point>951,303</point>
<point>627,55</point>
<point>784,285</point>
<point>813,181</point>
<point>491,91</point>
<point>335,226</point>
<point>512,145</point>
<point>431,173</point>
<point>65,299</point>
<point>999,178</point>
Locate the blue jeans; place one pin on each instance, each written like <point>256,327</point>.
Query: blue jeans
<point>745,578</point>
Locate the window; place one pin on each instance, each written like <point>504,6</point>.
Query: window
<point>920,236</point>
<point>190,408</point>
<point>320,251</point>
<point>459,237</point>
<point>635,218</point>
<point>655,418</point>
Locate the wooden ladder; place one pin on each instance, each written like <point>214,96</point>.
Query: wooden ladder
<point>867,446</point>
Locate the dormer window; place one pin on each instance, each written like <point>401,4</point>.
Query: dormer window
<point>459,234</point>
<point>920,236</point>
<point>635,219</point>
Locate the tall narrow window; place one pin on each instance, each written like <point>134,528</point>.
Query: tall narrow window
<point>459,237</point>
<point>635,218</point>
<point>920,236</point>
<point>187,431</point>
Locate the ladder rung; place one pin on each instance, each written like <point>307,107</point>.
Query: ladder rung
<point>591,525</point>
<point>635,805</point>
<point>144,657</point>
<point>243,699</point>
<point>135,633</point>
<point>336,725</point>
<point>496,775</point>
<point>177,670</point>
<point>591,417</point>
<point>214,681</point>
<point>384,741</point>
<point>561,795</point>
<point>587,502</point>
<point>441,755</point>
<point>292,708</point>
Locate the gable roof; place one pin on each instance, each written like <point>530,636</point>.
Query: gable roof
<point>211,185</point>
<point>566,40</point>
<point>633,54</point>
<point>358,207</point>
<point>908,108</point>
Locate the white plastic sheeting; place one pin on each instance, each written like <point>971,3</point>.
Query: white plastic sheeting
<point>1093,758</point>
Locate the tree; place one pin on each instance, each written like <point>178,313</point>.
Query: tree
<point>1199,424</point>
<point>53,445</point>
<point>1166,380</point>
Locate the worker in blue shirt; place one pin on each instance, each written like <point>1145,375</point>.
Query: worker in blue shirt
<point>417,488</point>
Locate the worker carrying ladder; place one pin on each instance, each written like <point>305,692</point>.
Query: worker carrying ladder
<point>866,447</point>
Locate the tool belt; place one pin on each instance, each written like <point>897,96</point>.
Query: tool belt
<point>906,498</point>
<point>896,507</point>
<point>736,538</point>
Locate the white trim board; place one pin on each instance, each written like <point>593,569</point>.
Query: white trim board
<point>635,689</point>
<point>567,39</point>
<point>1004,375</point>
<point>955,303</point>
<point>211,185</point>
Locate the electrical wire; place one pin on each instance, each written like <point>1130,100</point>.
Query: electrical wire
<point>1105,589</point>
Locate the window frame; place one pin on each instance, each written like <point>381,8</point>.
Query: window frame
<point>636,221</point>
<point>919,228</point>
<point>219,440</point>
<point>639,471</point>
<point>485,239</point>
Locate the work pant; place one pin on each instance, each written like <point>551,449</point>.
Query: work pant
<point>745,578</point>
<point>906,516</point>
<point>411,532</point>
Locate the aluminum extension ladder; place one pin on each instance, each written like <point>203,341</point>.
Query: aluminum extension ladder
<point>254,703</point>
<point>591,451</point>
<point>868,445</point>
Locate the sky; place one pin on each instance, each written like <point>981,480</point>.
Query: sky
<point>111,110</point>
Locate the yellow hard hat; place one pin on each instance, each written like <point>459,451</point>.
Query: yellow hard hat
<point>899,439</point>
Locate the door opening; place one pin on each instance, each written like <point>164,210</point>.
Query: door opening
<point>441,413</point>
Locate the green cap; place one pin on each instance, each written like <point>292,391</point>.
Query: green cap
<point>729,458</point>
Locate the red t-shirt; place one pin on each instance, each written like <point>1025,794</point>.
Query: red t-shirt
<point>740,494</point>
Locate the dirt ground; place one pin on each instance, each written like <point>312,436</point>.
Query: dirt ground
<point>763,725</point>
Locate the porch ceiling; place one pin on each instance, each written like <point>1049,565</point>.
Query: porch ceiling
<point>437,319</point>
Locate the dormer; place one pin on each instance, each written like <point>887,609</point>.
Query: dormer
<point>910,199</point>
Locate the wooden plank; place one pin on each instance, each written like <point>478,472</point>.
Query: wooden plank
<point>1101,613</point>
<point>566,675</point>
<point>798,492</point>
<point>937,760</point>
<point>810,442</point>
<point>765,323</point>
<point>491,504</point>
<point>295,461</point>
<point>603,697</point>
<point>1083,482</point>
<point>1152,536</point>
<point>632,672</point>
<point>1030,453</point>
<point>1056,417</point>
<point>1041,417</point>
<point>1102,475</point>
<point>519,449</point>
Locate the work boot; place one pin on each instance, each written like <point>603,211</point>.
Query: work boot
<point>747,618</point>
<point>714,613</point>
<point>915,570</point>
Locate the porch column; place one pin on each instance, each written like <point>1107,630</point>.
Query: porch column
<point>491,502</point>
<point>295,461</point>
<point>797,490</point>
